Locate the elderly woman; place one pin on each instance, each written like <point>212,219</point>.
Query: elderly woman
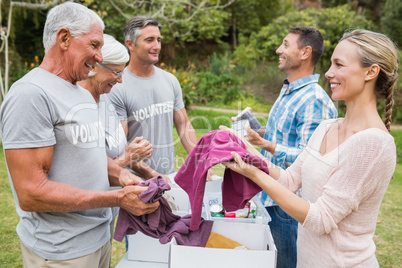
<point>102,77</point>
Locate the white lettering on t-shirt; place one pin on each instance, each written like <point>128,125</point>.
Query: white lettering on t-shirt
<point>152,110</point>
<point>87,132</point>
<point>114,139</point>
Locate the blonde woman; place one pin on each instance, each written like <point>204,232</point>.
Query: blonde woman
<point>348,163</point>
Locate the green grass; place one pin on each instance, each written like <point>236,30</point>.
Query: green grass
<point>258,104</point>
<point>387,236</point>
<point>398,141</point>
<point>205,121</point>
<point>389,232</point>
<point>10,255</point>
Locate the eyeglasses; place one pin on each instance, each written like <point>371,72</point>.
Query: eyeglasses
<point>117,74</point>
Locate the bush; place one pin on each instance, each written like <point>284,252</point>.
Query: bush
<point>391,22</point>
<point>214,83</point>
<point>332,22</point>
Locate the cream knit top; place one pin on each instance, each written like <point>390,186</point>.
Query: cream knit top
<point>344,188</point>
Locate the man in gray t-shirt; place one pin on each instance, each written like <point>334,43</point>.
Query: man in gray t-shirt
<point>149,100</point>
<point>54,145</point>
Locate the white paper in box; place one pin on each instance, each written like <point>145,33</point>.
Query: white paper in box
<point>256,237</point>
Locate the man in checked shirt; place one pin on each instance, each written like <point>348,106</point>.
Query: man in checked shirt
<point>301,106</point>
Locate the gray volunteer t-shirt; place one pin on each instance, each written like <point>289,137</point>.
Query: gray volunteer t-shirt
<point>116,140</point>
<point>40,110</point>
<point>148,105</point>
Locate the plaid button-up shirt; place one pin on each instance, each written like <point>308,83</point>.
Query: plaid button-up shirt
<point>297,112</point>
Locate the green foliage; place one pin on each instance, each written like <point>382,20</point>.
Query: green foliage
<point>263,79</point>
<point>215,83</point>
<point>391,22</point>
<point>210,86</point>
<point>250,16</point>
<point>332,22</point>
<point>181,22</point>
<point>245,54</point>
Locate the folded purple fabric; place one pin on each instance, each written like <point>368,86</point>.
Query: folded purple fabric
<point>213,148</point>
<point>162,223</point>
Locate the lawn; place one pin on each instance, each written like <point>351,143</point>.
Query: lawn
<point>387,237</point>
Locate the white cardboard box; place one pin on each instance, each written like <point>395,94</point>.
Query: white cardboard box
<point>147,249</point>
<point>256,237</point>
<point>126,263</point>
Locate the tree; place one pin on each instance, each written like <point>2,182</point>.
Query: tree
<point>332,23</point>
<point>5,32</point>
<point>250,16</point>
<point>182,20</point>
<point>391,22</point>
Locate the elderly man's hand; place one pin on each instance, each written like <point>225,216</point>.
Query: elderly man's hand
<point>128,178</point>
<point>130,201</point>
<point>138,150</point>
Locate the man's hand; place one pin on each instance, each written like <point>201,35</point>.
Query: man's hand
<point>133,204</point>
<point>127,178</point>
<point>254,138</point>
<point>138,150</point>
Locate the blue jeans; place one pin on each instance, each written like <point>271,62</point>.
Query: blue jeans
<point>284,231</point>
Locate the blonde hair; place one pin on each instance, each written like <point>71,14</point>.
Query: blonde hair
<point>376,48</point>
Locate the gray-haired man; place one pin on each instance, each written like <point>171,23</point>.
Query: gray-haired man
<point>54,148</point>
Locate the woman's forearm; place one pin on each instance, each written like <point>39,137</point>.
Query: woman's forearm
<point>292,204</point>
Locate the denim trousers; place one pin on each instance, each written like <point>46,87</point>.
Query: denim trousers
<point>284,231</point>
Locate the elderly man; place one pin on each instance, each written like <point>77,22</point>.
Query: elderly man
<point>54,147</point>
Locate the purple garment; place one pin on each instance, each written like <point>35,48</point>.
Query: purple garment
<point>213,148</point>
<point>162,223</point>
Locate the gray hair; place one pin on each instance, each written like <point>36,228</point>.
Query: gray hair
<point>77,18</point>
<point>113,52</point>
<point>136,24</point>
